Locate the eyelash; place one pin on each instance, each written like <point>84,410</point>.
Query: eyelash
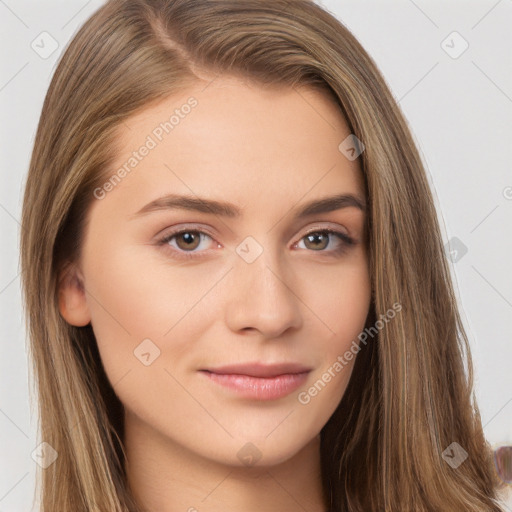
<point>346,241</point>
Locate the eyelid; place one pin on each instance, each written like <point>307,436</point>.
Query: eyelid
<point>330,228</point>
<point>173,231</point>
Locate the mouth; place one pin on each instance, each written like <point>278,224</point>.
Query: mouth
<point>258,381</point>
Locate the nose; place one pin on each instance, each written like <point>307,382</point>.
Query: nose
<point>261,297</point>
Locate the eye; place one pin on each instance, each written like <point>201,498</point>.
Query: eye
<point>185,242</point>
<point>320,239</point>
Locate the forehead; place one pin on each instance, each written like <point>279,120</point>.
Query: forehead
<point>234,138</point>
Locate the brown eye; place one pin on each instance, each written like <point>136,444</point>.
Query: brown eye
<point>186,243</point>
<point>188,240</point>
<point>318,240</point>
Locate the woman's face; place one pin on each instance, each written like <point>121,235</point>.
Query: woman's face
<point>229,333</point>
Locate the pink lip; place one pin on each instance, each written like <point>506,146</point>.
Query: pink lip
<point>258,381</point>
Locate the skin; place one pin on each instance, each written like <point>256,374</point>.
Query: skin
<point>268,151</point>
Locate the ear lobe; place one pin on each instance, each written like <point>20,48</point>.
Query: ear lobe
<point>72,300</point>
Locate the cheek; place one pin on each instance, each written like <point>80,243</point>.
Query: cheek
<point>341,302</point>
<point>340,298</point>
<point>133,298</point>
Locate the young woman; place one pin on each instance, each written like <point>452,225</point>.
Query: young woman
<point>236,290</point>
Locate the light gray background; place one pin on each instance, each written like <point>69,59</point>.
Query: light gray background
<point>459,110</point>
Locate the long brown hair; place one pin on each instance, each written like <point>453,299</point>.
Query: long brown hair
<point>411,392</point>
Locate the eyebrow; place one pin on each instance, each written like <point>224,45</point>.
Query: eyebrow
<point>224,209</point>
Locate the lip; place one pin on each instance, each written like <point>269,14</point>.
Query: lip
<point>260,369</point>
<point>258,381</point>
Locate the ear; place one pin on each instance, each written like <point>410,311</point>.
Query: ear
<point>72,300</point>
